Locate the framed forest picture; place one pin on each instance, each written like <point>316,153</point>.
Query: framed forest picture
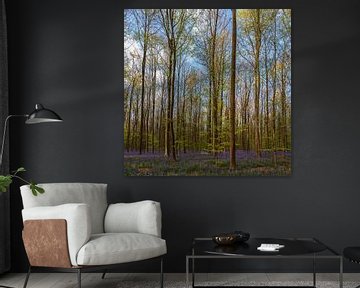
<point>207,92</point>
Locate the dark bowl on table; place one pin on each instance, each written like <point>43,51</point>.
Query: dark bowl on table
<point>231,238</point>
<point>225,239</point>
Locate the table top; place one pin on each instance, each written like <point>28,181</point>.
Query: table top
<point>293,247</point>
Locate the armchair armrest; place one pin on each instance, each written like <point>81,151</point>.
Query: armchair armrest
<point>138,217</point>
<point>78,225</point>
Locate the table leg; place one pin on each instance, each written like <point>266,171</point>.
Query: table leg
<point>193,272</point>
<point>314,271</point>
<point>193,267</point>
<point>341,273</point>
<point>187,272</point>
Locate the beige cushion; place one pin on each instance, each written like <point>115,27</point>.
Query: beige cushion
<point>92,194</point>
<point>138,217</point>
<point>113,248</point>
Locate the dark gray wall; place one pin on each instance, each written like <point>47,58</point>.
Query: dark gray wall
<point>68,55</point>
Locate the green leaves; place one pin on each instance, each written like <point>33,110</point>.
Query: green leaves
<point>6,180</point>
<point>36,189</point>
<point>20,169</point>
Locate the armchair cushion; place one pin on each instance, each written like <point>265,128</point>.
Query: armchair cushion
<point>92,194</point>
<point>138,217</point>
<point>78,221</point>
<point>113,248</point>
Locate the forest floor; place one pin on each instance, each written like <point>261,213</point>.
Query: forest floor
<point>205,164</point>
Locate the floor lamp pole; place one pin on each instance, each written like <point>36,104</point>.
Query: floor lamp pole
<point>2,150</point>
<point>4,135</point>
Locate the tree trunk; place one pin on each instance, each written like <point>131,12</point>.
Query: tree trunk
<point>136,126</point>
<point>209,117</point>
<point>215,87</point>
<point>184,115</point>
<point>143,66</point>
<point>274,96</point>
<point>283,107</point>
<point>147,116</point>
<point>232,94</point>
<point>257,81</point>
<point>169,26</point>
<point>222,76</point>
<point>178,126</point>
<point>161,121</point>
<point>267,133</point>
<point>153,108</point>
<point>173,148</point>
<point>129,116</point>
<point>168,113</point>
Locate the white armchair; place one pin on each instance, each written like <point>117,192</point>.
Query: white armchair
<point>72,228</point>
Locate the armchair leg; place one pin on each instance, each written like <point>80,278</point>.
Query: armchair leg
<point>79,277</point>
<point>103,275</point>
<point>161,273</point>
<point>27,277</point>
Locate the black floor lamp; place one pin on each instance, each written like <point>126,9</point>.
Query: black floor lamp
<point>39,115</point>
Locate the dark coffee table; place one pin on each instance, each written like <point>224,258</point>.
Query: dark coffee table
<point>295,248</point>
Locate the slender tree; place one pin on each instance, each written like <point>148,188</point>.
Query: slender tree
<point>257,30</point>
<point>232,94</point>
<point>214,76</point>
<point>274,84</point>
<point>168,22</point>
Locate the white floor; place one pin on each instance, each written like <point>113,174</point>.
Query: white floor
<point>114,280</point>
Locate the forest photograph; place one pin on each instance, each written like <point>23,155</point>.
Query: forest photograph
<point>207,92</point>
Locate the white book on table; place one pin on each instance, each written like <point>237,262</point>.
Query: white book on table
<point>270,247</point>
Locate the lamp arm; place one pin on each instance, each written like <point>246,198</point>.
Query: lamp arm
<point>4,134</point>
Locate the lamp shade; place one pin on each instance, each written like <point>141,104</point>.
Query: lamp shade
<point>42,115</point>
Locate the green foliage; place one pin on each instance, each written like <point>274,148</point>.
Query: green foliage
<point>6,180</point>
<point>36,189</point>
<point>21,169</point>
